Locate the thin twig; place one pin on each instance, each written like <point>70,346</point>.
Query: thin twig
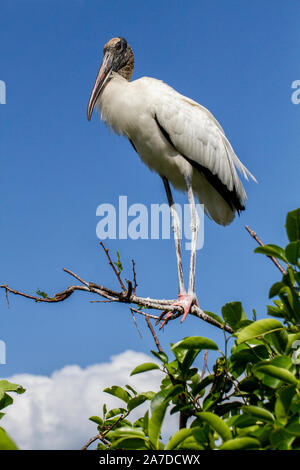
<point>76,277</point>
<point>153,334</point>
<point>6,295</point>
<point>257,239</point>
<point>134,276</point>
<point>134,320</point>
<point>101,436</point>
<point>235,385</point>
<point>117,273</point>
<point>140,312</point>
<point>204,364</point>
<point>93,439</point>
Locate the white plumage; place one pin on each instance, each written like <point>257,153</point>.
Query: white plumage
<point>134,108</point>
<point>177,138</point>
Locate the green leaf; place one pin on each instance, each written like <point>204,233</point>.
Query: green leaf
<point>282,361</point>
<point>258,412</point>
<point>283,402</point>
<point>130,443</point>
<point>278,373</point>
<point>241,443</point>
<point>96,420</point>
<point>200,387</point>
<point>292,252</point>
<point>11,387</point>
<point>258,328</point>
<point>279,339</point>
<point>219,426</point>
<point>118,392</point>
<point>5,400</point>
<point>233,313</point>
<point>214,316</point>
<point>242,421</point>
<point>127,431</point>
<point>118,263</point>
<point>243,354</point>
<point>161,356</point>
<point>195,342</point>
<point>272,250</point>
<point>144,368</point>
<point>131,389</point>
<point>292,225</point>
<point>139,399</point>
<point>188,360</point>
<point>146,422</point>
<point>114,412</point>
<point>42,294</point>
<point>275,289</point>
<point>292,343</point>
<point>294,427</point>
<point>6,443</point>
<point>276,311</point>
<point>174,391</point>
<point>179,437</point>
<point>280,439</point>
<point>158,409</point>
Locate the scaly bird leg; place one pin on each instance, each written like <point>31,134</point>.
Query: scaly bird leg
<point>185,300</point>
<point>177,233</point>
<point>195,223</point>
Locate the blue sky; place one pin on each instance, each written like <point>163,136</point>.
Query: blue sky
<point>236,58</point>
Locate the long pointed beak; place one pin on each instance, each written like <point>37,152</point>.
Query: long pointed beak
<point>101,80</point>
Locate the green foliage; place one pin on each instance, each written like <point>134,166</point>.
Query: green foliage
<point>6,443</point>
<point>250,400</point>
<point>118,263</point>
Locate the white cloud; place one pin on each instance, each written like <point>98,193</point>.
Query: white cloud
<point>53,412</point>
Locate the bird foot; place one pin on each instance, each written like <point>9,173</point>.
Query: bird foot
<point>185,301</point>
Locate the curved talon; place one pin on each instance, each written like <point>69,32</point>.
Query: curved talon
<point>185,301</point>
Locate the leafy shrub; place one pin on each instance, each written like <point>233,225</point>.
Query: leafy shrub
<point>251,400</point>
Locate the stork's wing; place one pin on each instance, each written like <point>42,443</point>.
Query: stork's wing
<point>198,136</point>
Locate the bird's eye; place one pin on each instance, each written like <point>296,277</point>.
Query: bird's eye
<point>118,46</point>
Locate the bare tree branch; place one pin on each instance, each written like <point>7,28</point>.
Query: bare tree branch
<point>134,321</point>
<point>117,273</point>
<point>153,334</point>
<point>257,239</point>
<point>134,276</point>
<point>127,295</point>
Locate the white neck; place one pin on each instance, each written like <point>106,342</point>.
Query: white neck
<point>113,104</point>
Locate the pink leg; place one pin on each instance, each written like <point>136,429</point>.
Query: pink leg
<point>185,301</point>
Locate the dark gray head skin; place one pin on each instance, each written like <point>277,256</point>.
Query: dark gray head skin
<point>118,58</point>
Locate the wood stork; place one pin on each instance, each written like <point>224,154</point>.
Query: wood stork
<point>176,137</point>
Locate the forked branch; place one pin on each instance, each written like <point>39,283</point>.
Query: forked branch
<point>126,295</point>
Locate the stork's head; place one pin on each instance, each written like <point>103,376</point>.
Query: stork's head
<point>118,58</point>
